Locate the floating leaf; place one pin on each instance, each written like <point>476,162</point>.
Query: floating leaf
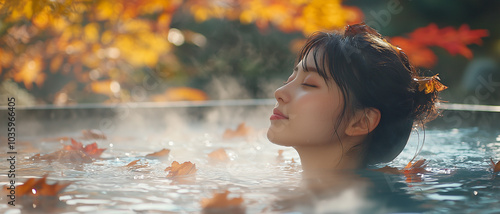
<point>66,156</point>
<point>219,155</point>
<point>241,131</point>
<point>220,200</point>
<point>176,169</point>
<point>39,187</point>
<point>136,164</point>
<point>159,154</point>
<point>91,149</point>
<point>495,167</point>
<point>412,171</point>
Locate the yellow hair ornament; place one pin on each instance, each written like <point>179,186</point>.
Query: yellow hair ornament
<point>430,84</point>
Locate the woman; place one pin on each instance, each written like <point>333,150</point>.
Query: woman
<point>351,101</point>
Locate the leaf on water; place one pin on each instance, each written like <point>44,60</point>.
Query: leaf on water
<point>241,131</point>
<point>90,134</point>
<point>74,153</point>
<point>39,187</point>
<point>412,171</point>
<point>417,167</point>
<point>219,155</point>
<point>220,200</point>
<point>159,154</point>
<point>91,149</point>
<point>136,164</point>
<point>67,156</point>
<point>495,167</point>
<point>389,170</point>
<point>176,169</point>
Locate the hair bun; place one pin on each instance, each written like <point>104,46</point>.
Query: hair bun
<point>426,97</point>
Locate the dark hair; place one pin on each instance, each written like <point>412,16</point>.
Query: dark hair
<point>370,72</point>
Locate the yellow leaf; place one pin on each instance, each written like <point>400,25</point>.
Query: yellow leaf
<point>107,37</point>
<point>91,32</point>
<point>31,73</point>
<point>220,200</point>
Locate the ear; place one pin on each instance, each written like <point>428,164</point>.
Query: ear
<point>363,122</point>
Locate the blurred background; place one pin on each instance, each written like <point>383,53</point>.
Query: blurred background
<point>67,52</point>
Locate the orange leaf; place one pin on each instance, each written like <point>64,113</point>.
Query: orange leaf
<point>241,131</point>
<point>389,170</point>
<point>159,154</point>
<point>495,167</point>
<point>134,164</point>
<point>411,171</point>
<point>219,155</point>
<point>91,149</point>
<point>430,84</point>
<point>220,200</point>
<point>452,40</point>
<point>176,169</point>
<point>93,134</point>
<point>419,55</point>
<point>39,187</point>
<point>67,156</point>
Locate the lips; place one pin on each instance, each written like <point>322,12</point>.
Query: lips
<point>277,115</point>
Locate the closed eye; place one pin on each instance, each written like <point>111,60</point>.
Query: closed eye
<point>309,85</point>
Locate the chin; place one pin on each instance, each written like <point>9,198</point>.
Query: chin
<point>271,136</point>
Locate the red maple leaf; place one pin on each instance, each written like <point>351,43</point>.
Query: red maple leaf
<point>455,41</point>
<point>91,149</point>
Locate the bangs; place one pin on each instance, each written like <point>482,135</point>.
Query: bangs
<point>316,46</point>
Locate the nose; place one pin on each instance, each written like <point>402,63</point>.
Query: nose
<point>281,94</point>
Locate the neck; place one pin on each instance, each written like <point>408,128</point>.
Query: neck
<point>327,157</point>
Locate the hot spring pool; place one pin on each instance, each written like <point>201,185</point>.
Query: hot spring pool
<point>460,178</point>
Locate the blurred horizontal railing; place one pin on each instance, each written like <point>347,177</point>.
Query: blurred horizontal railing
<point>215,103</point>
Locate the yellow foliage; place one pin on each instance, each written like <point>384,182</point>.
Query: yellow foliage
<point>31,73</point>
<point>101,87</point>
<point>91,32</point>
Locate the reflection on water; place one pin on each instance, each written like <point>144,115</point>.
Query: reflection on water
<point>460,178</point>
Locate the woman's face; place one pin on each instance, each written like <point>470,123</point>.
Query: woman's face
<point>307,109</point>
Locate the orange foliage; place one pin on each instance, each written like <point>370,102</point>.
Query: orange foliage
<point>159,154</point>
<point>455,41</point>
<point>184,169</point>
<point>241,131</point>
<point>220,200</point>
<point>75,37</point>
<point>430,84</point>
<point>219,155</point>
<point>411,171</point>
<point>136,165</point>
<point>495,167</point>
<point>91,149</point>
<point>181,94</point>
<point>39,187</point>
<point>306,16</point>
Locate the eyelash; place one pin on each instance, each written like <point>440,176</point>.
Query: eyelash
<point>304,84</point>
<point>308,85</point>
